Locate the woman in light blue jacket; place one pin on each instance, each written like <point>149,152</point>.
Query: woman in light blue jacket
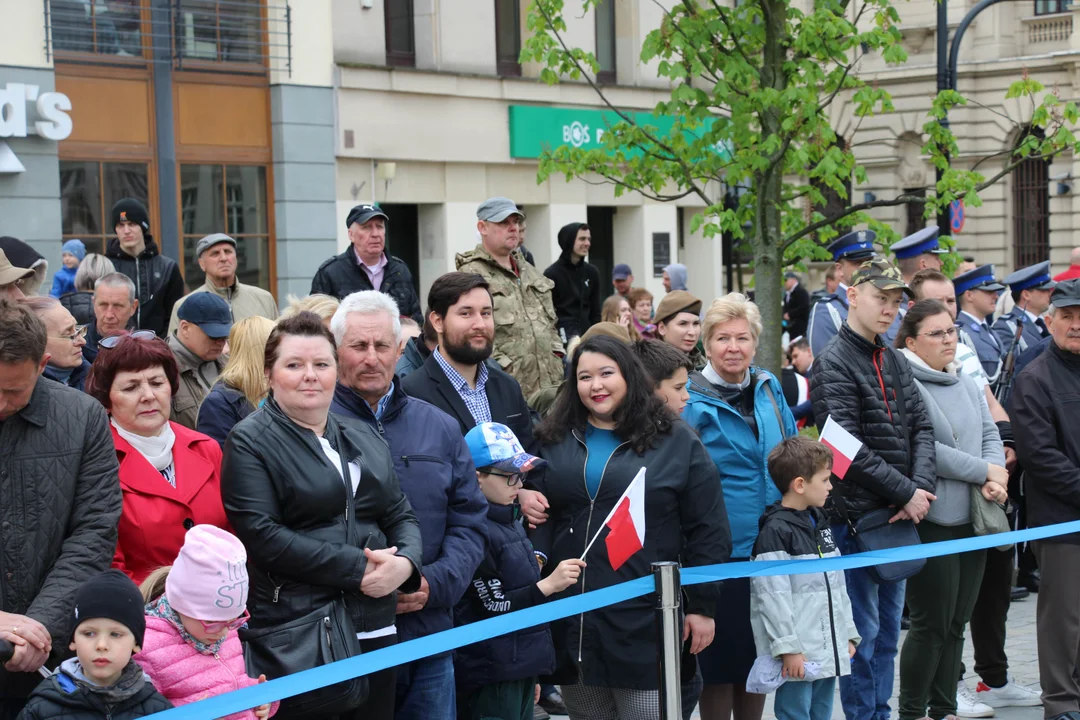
<point>739,412</point>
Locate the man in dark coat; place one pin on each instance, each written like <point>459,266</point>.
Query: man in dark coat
<point>796,306</point>
<point>60,503</point>
<point>1045,416</point>
<point>436,472</point>
<point>365,265</point>
<point>576,294</point>
<point>157,279</point>
<point>868,389</point>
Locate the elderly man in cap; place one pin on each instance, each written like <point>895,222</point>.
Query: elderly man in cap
<point>198,343</point>
<point>826,317</point>
<point>365,265</point>
<point>1045,416</point>
<point>976,297</point>
<point>527,344</point>
<point>11,279</point>
<point>1030,288</point>
<point>216,254</point>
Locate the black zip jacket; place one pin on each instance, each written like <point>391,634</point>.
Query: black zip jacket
<point>1045,413</point>
<point>62,697</point>
<point>685,520</point>
<point>158,284</point>
<point>576,295</point>
<point>286,503</point>
<point>342,275</point>
<point>858,383</point>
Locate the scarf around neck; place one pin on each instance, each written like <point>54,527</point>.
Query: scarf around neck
<point>162,610</point>
<point>712,376</point>
<point>157,450</point>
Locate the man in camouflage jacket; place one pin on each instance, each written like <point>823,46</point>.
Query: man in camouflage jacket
<point>527,345</point>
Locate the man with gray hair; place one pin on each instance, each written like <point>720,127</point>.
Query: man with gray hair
<point>115,304</point>
<point>436,472</point>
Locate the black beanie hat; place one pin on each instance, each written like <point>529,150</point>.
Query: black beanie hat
<point>131,210</point>
<point>113,596</point>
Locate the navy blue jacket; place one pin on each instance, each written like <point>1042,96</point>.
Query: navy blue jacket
<point>437,475</point>
<point>221,409</point>
<point>77,379</point>
<point>504,582</point>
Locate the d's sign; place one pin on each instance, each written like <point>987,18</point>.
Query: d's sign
<point>52,121</point>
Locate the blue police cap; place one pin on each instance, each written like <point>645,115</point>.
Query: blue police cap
<point>857,245</point>
<point>1036,277</point>
<point>924,241</point>
<point>981,278</point>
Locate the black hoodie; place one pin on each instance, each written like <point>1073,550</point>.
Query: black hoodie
<point>158,284</point>
<point>576,295</point>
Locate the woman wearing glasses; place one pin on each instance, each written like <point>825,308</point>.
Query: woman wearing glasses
<point>170,476</point>
<point>969,455</point>
<point>66,364</point>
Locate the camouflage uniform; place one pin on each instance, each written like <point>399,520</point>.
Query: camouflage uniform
<point>525,337</point>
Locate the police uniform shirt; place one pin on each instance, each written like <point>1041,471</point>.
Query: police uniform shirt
<point>1005,329</point>
<point>826,318</point>
<point>978,336</point>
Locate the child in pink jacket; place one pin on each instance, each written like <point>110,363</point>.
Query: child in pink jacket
<point>191,650</point>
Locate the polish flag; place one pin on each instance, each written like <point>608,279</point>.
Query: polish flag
<point>843,444</point>
<point>626,524</point>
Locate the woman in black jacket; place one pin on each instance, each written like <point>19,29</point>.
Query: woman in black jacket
<point>286,498</point>
<point>606,425</point>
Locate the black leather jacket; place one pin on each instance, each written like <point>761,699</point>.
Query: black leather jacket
<point>860,384</point>
<point>286,503</point>
<point>342,275</point>
<point>158,284</point>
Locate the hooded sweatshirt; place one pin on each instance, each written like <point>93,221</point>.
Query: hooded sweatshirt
<point>965,436</point>
<point>576,295</point>
<point>677,275</point>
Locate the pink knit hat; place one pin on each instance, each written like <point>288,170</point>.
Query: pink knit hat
<point>209,579</point>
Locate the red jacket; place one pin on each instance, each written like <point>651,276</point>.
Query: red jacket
<point>156,516</point>
<point>1071,274</point>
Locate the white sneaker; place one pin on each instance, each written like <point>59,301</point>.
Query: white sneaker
<point>1011,695</point>
<point>968,706</point>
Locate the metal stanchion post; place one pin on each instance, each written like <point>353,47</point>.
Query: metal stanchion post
<point>669,641</point>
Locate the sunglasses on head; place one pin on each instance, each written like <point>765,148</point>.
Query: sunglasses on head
<point>234,624</point>
<point>110,342</point>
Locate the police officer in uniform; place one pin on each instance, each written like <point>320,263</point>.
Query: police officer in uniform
<point>826,317</point>
<point>918,251</point>
<point>976,296</point>
<point>1031,288</point>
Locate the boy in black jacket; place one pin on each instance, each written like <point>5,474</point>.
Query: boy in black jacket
<point>102,681</point>
<point>497,678</point>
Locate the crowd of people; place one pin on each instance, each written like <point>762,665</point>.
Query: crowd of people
<point>197,495</point>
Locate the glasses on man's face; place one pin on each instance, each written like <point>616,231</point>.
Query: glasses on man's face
<point>213,628</point>
<point>940,335</point>
<point>80,332</point>
<point>110,342</point>
<point>511,480</point>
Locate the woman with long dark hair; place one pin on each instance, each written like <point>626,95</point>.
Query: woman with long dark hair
<point>605,426</point>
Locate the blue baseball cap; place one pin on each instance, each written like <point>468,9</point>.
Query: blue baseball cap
<point>493,445</point>
<point>981,278</point>
<point>621,272</point>
<point>920,243</point>
<point>1035,277</point>
<point>209,312</point>
<point>858,245</point>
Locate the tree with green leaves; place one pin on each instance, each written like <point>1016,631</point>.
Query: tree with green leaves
<point>751,91</point>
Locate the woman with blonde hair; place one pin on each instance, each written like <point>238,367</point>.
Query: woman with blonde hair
<point>616,309</point>
<point>322,305</point>
<point>241,387</point>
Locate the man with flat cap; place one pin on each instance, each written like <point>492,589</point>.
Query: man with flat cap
<point>527,344</point>
<point>1031,288</point>
<point>826,317</point>
<point>976,299</point>
<point>365,265</point>
<point>216,254</point>
<point>198,343</point>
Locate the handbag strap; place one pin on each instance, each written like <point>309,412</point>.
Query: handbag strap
<point>776,408</point>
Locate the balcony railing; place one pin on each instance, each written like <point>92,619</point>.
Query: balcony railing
<point>1047,33</point>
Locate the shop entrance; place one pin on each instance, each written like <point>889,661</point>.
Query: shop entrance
<point>403,236</point>
<point>602,253</point>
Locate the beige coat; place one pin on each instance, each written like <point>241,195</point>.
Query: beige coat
<point>244,300</point>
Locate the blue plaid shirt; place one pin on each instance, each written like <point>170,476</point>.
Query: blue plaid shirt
<point>475,400</point>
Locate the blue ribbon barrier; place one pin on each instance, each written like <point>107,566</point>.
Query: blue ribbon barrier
<point>448,640</point>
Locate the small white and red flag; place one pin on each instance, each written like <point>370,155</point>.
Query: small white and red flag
<point>625,523</point>
<point>843,444</point>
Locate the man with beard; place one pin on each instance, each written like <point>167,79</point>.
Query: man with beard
<point>455,377</point>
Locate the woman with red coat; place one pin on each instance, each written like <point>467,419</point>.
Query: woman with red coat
<point>170,476</point>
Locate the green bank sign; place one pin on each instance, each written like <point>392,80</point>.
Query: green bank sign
<point>535,129</point>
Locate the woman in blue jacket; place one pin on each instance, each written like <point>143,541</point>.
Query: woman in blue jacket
<point>739,412</point>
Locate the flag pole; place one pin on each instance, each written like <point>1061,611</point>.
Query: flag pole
<point>611,514</point>
<point>594,537</point>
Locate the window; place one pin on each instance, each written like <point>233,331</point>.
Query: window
<point>915,219</point>
<point>1031,212</point>
<point>231,199</point>
<point>89,189</point>
<point>605,41</point>
<point>507,38</point>
<point>1050,7</point>
<point>96,26</point>
<point>400,33</point>
<point>219,30</point>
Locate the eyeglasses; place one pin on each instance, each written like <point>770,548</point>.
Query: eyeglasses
<point>511,480</point>
<point>110,342</point>
<point>940,335</point>
<point>234,624</point>
<point>80,332</point>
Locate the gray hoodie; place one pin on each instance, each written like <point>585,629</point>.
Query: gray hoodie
<point>965,436</point>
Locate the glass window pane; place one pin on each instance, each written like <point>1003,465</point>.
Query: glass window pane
<point>196,27</point>
<point>124,180</point>
<point>80,198</point>
<point>111,28</point>
<point>400,22</point>
<point>252,261</point>
<point>605,35</point>
<point>245,191</point>
<point>201,204</point>
<point>240,26</point>
<point>507,31</point>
